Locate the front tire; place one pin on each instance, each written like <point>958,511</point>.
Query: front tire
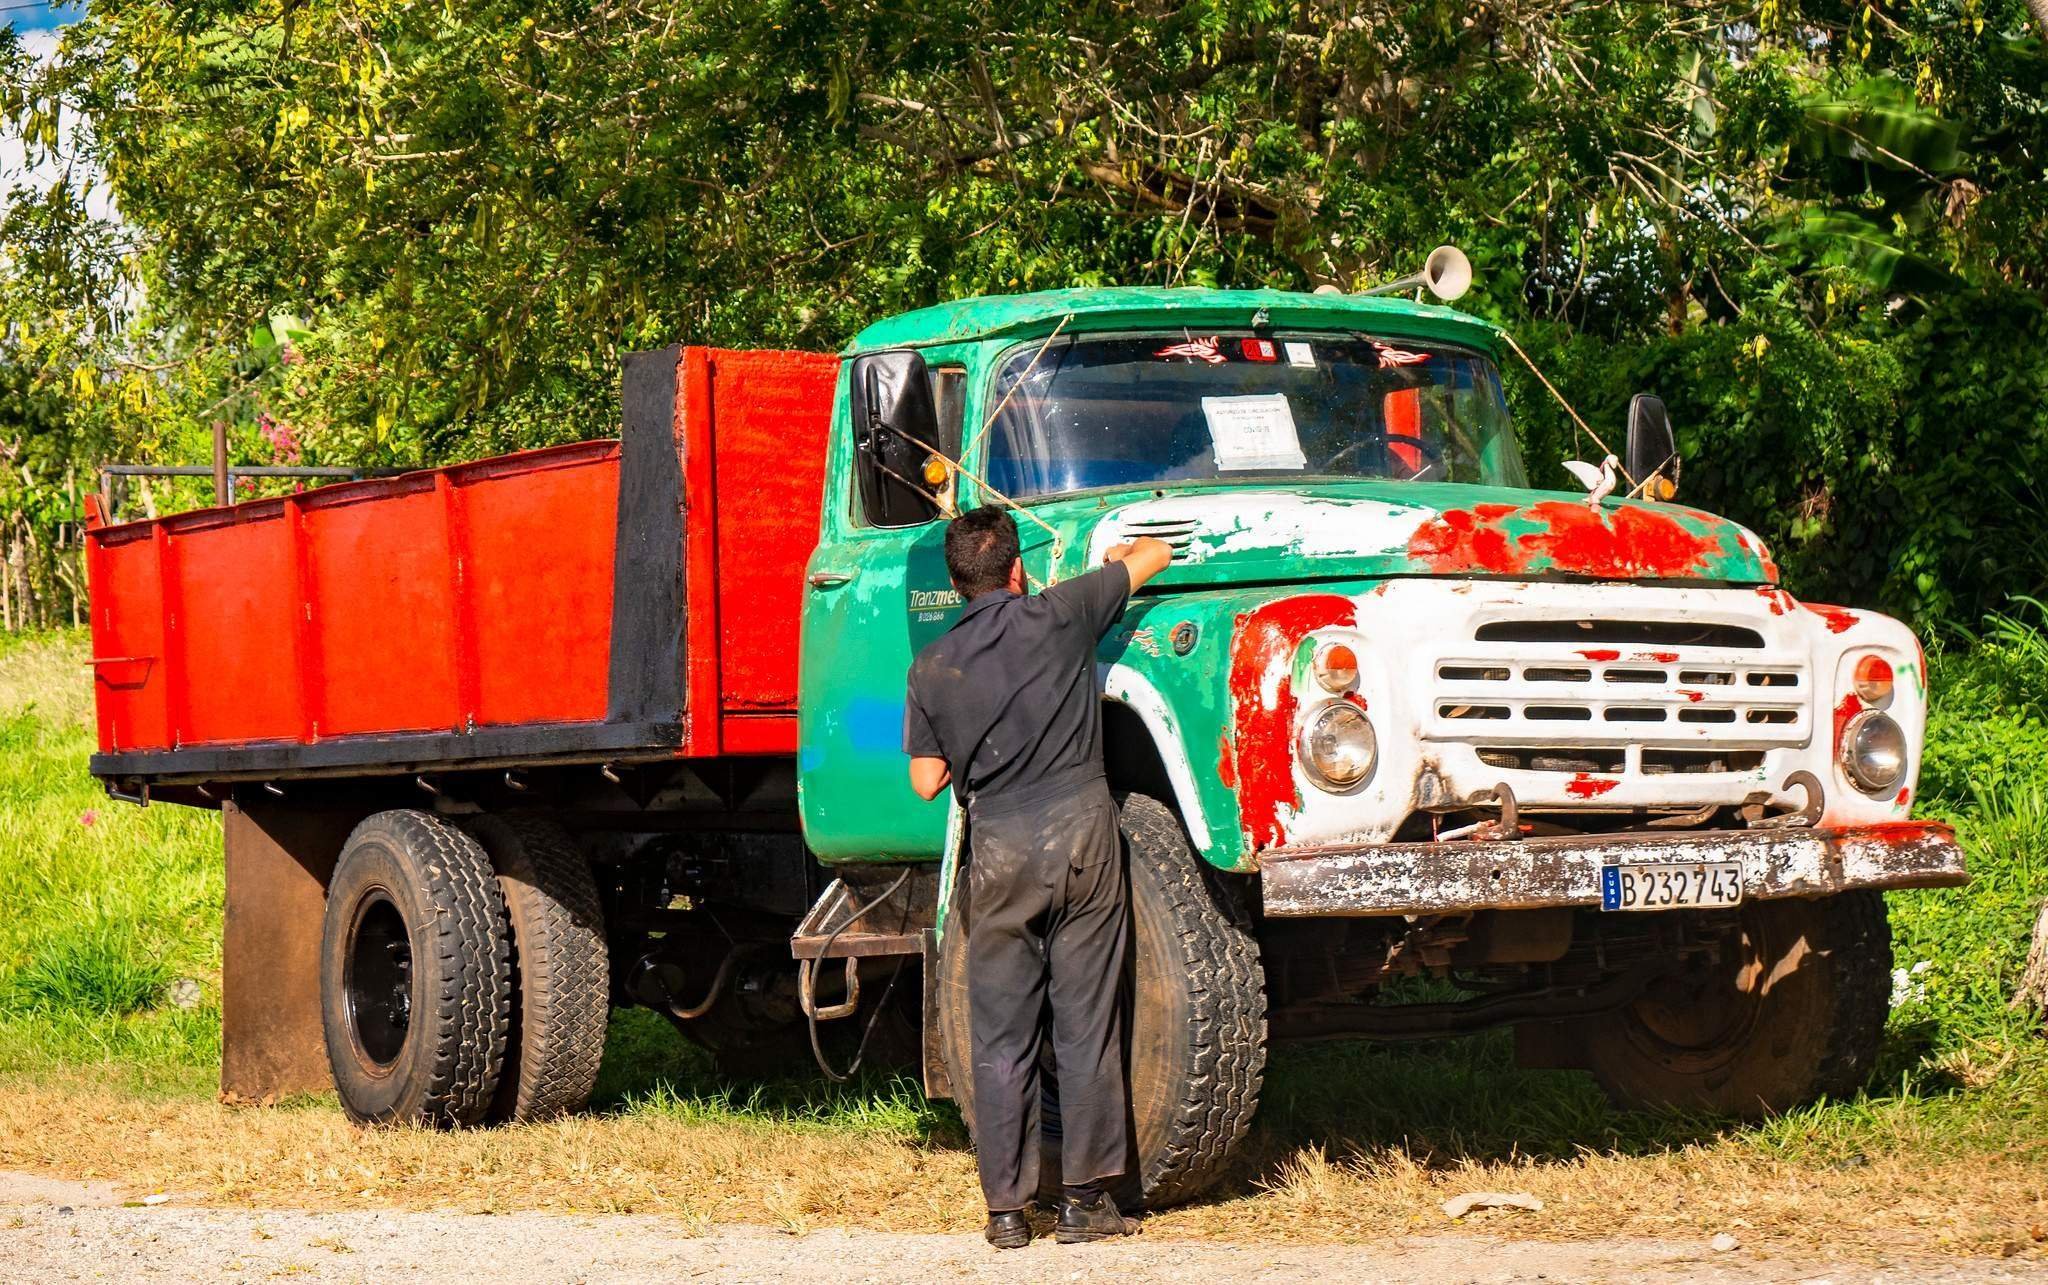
<point>415,974</point>
<point>1196,1024</point>
<point>1792,1009</point>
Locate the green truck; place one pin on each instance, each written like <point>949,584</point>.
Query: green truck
<point>1407,744</point>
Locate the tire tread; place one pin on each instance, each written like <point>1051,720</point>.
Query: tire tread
<point>1226,1032</point>
<point>562,978</point>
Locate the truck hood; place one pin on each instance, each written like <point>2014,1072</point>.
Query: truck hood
<point>1382,529</point>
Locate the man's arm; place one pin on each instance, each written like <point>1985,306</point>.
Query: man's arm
<point>1143,557</point>
<point>928,776</point>
<point>1098,597</point>
<point>928,771</point>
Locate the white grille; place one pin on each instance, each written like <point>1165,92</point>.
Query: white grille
<point>1557,703</point>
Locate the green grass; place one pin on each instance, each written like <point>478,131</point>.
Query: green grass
<point>105,909</point>
<point>103,906</point>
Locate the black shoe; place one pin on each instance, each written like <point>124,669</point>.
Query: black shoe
<point>1008,1230</point>
<point>1098,1219</point>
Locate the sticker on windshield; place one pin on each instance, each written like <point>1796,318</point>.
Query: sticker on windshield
<point>1255,432</point>
<point>1209,350</point>
<point>1391,356</point>
<point>1300,354</point>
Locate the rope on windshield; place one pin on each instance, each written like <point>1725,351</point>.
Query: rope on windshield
<point>1014,386</point>
<point>1059,545</point>
<point>1632,484</point>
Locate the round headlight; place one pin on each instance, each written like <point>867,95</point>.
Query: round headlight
<point>1337,746</point>
<point>1874,751</point>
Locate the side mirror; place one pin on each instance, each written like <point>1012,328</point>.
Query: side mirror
<point>895,431</point>
<point>1651,446</point>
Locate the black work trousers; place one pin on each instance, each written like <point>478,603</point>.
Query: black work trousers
<point>1048,926</point>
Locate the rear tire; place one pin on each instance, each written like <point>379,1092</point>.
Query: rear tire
<point>415,974</point>
<point>1196,1028</point>
<point>1794,1009</point>
<point>561,975</point>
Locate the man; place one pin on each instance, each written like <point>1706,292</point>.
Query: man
<point>1004,707</point>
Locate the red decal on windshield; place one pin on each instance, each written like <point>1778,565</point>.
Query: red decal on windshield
<point>1209,350</point>
<point>1398,356</point>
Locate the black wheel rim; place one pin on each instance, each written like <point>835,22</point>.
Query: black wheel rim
<point>378,980</point>
<point>1698,1019</point>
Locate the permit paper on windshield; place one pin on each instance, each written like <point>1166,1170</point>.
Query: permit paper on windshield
<point>1254,432</point>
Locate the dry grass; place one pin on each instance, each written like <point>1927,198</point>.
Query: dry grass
<point>1915,1200</point>
<point>309,1156</point>
<point>49,674</point>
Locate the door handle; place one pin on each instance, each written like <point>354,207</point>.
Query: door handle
<point>829,579</point>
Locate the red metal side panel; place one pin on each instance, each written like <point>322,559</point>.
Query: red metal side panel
<point>128,640</point>
<point>381,587</point>
<point>440,601</point>
<point>771,414</point>
<point>235,613</point>
<point>541,656</point>
<point>751,427</point>
<point>700,555</point>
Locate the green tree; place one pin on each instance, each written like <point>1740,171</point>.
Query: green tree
<point>409,232</point>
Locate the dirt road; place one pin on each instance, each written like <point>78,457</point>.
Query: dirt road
<point>53,1230</point>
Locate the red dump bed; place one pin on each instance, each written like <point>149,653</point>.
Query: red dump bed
<point>603,600</point>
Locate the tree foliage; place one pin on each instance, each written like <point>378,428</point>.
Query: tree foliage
<point>400,231</point>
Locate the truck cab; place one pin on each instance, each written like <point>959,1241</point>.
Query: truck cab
<point>1402,708</point>
<point>1336,475</point>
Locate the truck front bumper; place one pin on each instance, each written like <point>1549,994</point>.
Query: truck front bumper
<point>1448,878</point>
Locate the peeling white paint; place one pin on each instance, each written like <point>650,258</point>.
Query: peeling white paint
<point>1278,522</point>
<point>1133,689</point>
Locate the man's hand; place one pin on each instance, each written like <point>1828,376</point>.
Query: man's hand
<point>929,775</point>
<point>1143,558</point>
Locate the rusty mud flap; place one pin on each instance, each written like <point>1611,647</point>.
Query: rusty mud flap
<point>1439,878</point>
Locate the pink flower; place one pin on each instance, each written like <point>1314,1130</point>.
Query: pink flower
<point>284,442</point>
<point>246,485</point>
<point>89,816</point>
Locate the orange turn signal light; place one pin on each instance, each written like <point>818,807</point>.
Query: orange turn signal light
<point>1873,680</point>
<point>936,471</point>
<point>1336,667</point>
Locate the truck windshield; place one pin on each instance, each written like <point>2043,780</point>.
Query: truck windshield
<point>1139,410</point>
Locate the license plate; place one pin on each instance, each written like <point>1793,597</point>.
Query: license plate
<point>1671,885</point>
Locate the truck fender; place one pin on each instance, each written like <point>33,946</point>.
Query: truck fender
<point>1134,691</point>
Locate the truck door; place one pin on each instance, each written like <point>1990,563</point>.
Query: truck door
<point>876,590</point>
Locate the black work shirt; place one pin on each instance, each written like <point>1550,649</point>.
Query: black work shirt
<point>1008,696</point>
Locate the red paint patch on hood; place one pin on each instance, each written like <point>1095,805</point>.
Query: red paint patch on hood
<point>1658,657</point>
<point>1459,540</point>
<point>1600,655</point>
<point>1262,657</point>
<point>1839,620</point>
<point>1781,602</point>
<point>1226,762</point>
<point>1625,543</point>
<point>1691,695</point>
<point>1905,797</point>
<point>1584,786</point>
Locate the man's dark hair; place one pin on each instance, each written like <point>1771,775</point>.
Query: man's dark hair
<point>981,546</point>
